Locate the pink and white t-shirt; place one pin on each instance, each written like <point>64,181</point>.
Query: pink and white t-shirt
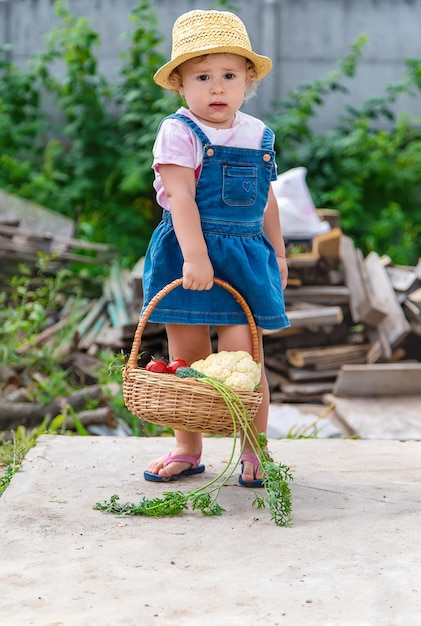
<point>177,144</point>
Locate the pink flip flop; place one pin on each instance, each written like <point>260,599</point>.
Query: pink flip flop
<point>250,458</point>
<point>177,458</point>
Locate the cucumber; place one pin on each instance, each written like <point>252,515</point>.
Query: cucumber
<point>189,372</point>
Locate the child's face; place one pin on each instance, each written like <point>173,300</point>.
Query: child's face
<point>214,87</point>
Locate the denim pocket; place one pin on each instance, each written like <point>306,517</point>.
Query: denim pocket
<point>239,187</point>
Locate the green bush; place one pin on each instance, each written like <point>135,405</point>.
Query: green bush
<point>90,160</point>
<point>367,167</point>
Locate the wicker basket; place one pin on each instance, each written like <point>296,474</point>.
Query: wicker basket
<point>183,404</point>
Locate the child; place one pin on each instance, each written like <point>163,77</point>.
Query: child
<point>213,167</point>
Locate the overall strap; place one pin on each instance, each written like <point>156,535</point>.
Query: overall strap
<point>268,139</point>
<point>205,141</point>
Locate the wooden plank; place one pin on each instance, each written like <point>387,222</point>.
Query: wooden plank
<point>381,379</point>
<point>413,309</point>
<point>279,396</point>
<point>364,306</point>
<point>396,417</point>
<point>394,324</point>
<point>27,248</point>
<point>313,317</point>
<point>375,353</point>
<point>9,221</point>
<point>94,312</point>
<point>415,297</point>
<point>116,306</point>
<point>302,260</point>
<point>327,245</point>
<point>331,216</point>
<point>380,348</point>
<point>301,390</point>
<point>89,338</point>
<point>328,357</point>
<point>23,246</point>
<point>414,316</point>
<point>33,217</point>
<point>296,374</point>
<point>109,336</point>
<point>402,278</point>
<point>36,235</point>
<point>318,294</point>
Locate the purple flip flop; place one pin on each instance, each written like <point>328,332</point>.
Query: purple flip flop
<point>257,482</point>
<point>195,468</point>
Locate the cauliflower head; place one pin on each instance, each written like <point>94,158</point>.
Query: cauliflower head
<point>236,369</point>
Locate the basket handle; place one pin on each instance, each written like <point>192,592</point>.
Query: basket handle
<point>134,353</point>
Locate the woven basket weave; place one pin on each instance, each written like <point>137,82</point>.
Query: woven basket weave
<point>183,404</point>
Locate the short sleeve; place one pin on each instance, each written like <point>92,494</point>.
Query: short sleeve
<point>174,145</point>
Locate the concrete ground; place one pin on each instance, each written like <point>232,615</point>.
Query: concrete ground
<point>352,556</point>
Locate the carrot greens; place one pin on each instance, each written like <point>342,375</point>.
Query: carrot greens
<point>275,477</point>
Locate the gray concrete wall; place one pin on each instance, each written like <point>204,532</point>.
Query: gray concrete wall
<point>304,38</point>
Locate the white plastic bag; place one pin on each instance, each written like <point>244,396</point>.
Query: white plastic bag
<point>299,219</point>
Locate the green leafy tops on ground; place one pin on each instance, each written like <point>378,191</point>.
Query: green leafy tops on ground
<point>275,476</point>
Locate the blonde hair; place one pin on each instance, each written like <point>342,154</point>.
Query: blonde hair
<point>175,77</point>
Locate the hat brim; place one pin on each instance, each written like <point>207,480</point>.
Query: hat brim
<point>262,64</point>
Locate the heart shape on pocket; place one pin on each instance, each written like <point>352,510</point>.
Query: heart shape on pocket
<point>246,185</point>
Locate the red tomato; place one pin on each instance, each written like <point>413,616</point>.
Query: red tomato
<point>175,364</point>
<point>157,366</point>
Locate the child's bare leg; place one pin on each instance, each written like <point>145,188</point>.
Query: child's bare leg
<point>238,338</point>
<point>189,343</point>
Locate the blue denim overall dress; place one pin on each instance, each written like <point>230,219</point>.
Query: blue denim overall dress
<point>231,195</point>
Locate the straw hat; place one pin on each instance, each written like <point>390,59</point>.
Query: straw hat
<point>204,32</point>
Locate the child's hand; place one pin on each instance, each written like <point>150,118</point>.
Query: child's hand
<point>283,268</point>
<point>198,274</point>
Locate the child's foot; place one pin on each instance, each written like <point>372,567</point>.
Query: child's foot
<point>173,467</point>
<point>251,475</point>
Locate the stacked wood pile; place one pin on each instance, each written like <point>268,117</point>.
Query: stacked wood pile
<point>344,310</point>
<point>20,245</point>
<point>27,229</point>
